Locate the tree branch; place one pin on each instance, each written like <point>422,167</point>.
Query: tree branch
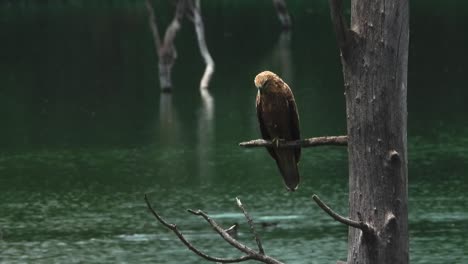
<point>252,227</point>
<point>250,253</point>
<point>153,25</point>
<point>166,49</point>
<point>303,143</point>
<point>199,29</point>
<point>356,224</point>
<point>176,231</point>
<point>339,24</point>
<point>233,242</point>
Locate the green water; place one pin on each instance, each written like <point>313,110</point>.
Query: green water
<point>85,133</point>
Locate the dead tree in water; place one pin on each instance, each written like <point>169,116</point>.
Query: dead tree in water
<point>374,55</point>
<point>195,10</point>
<point>165,49</point>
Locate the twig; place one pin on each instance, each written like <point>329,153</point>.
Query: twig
<point>233,242</point>
<point>339,24</point>
<point>176,231</point>
<point>223,233</point>
<point>303,143</point>
<point>252,227</point>
<point>250,253</point>
<point>356,224</point>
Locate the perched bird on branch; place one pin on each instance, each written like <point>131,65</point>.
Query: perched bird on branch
<point>278,119</point>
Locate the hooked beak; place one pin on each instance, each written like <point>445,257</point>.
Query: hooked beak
<point>261,90</point>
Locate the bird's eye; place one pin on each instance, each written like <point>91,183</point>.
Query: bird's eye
<point>265,83</point>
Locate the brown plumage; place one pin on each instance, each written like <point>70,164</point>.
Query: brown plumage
<point>278,119</point>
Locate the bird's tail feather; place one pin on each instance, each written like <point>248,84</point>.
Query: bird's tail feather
<point>288,167</point>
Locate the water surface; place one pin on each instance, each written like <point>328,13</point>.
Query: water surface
<point>86,133</point>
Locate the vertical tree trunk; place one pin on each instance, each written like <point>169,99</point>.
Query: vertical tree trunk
<point>165,49</point>
<point>375,57</point>
<point>200,30</point>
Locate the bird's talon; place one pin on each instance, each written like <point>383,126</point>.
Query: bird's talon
<point>276,141</point>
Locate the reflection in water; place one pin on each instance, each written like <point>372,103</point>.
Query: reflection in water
<point>77,196</point>
<point>168,121</point>
<point>205,147</point>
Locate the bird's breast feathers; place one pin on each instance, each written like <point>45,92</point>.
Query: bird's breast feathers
<point>273,103</point>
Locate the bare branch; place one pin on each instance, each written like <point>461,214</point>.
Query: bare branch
<point>339,24</point>
<point>233,242</point>
<point>356,224</point>
<point>250,253</point>
<point>199,29</point>
<point>152,24</point>
<point>303,143</point>
<point>175,24</point>
<point>166,49</point>
<point>252,227</point>
<point>176,231</point>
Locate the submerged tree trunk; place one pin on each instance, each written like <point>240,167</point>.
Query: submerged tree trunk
<point>374,53</point>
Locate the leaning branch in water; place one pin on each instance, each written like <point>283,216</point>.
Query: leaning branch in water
<point>302,143</point>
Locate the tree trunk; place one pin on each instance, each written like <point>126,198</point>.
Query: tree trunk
<point>375,57</point>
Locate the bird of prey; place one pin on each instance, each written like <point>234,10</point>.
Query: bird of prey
<point>279,120</point>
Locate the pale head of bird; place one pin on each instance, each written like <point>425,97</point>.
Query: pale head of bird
<point>267,82</point>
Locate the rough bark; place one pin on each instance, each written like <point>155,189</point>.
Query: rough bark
<point>375,57</point>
